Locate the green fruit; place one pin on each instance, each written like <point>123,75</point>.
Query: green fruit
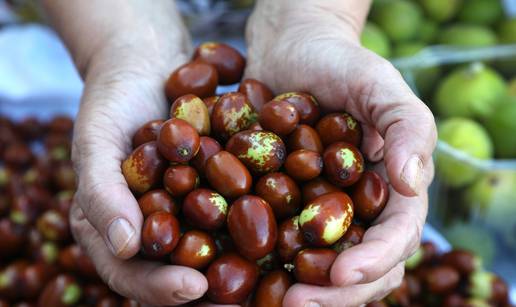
<point>470,91</point>
<point>512,87</point>
<point>428,31</point>
<point>407,49</point>
<point>507,31</point>
<point>441,10</point>
<point>482,12</point>
<point>502,126</point>
<point>400,19</point>
<point>465,35</point>
<point>469,138</point>
<point>481,287</point>
<point>473,238</point>
<point>375,40</point>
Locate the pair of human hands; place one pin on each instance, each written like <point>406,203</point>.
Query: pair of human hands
<point>308,52</point>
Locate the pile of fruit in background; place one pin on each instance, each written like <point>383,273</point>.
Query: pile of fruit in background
<point>401,28</point>
<point>452,279</point>
<point>40,265</point>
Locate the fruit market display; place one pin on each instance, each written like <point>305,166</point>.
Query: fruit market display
<point>255,190</point>
<point>40,265</point>
<point>452,279</point>
<point>395,26</point>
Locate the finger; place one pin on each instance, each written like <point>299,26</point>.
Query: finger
<point>393,238</point>
<point>144,281</point>
<point>372,143</point>
<point>313,296</point>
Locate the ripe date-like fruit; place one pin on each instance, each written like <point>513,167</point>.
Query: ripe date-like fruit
<point>325,219</point>
<point>339,127</point>
<point>208,147</point>
<point>228,175</point>
<point>252,226</point>
<point>441,279</point>
<point>463,261</point>
<point>369,195</point>
<point>343,164</point>
<point>261,151</point>
<point>304,137</point>
<point>271,289</point>
<point>290,239</point>
<point>312,266</point>
<point>196,249</point>
<point>160,234</point>
<point>305,104</point>
<point>231,114</point>
<point>62,291</point>
<point>352,237</point>
<point>228,62</point>
<point>147,133</point>
<point>231,279</point>
<point>195,78</point>
<point>257,93</point>
<point>144,168</point>
<point>193,110</point>
<point>180,180</point>
<point>205,209</point>
<point>304,165</point>
<point>157,200</point>
<point>53,226</point>
<point>210,103</point>
<point>178,141</point>
<point>279,116</point>
<point>281,192</point>
<point>317,187</point>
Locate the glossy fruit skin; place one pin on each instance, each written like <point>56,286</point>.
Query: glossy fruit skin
<point>53,226</point>
<point>343,164</point>
<point>73,259</point>
<point>312,266</point>
<point>279,117</point>
<point>281,192</point>
<point>260,151</point>
<point>255,127</point>
<point>463,261</point>
<point>231,279</point>
<point>94,292</point>
<point>180,180</point>
<point>228,175</point>
<point>228,62</point>
<point>317,187</point>
<point>108,301</point>
<point>352,237</point>
<point>12,276</point>
<point>160,234</point>
<point>205,209</point>
<point>269,263</point>
<point>370,194</point>
<point>34,278</point>
<point>325,219</point>
<point>453,300</point>
<point>272,289</point>
<point>257,93</point>
<point>290,239</point>
<point>304,165</point>
<point>210,103</point>
<point>147,133</point>
<point>178,141</point>
<point>13,237</point>
<point>339,127</point>
<point>157,200</point>
<point>252,226</point>
<point>144,167</point>
<point>130,303</point>
<point>305,104</point>
<point>231,114</point>
<point>304,137</point>
<point>441,279</point>
<point>196,249</point>
<point>197,78</point>
<point>60,292</point>
<point>208,147</point>
<point>192,109</point>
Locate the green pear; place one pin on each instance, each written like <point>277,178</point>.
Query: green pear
<point>428,31</point>
<point>374,39</point>
<point>470,91</point>
<point>482,12</point>
<point>471,139</point>
<point>502,126</point>
<point>512,87</point>
<point>467,35</point>
<point>400,19</point>
<point>474,238</point>
<point>441,10</point>
<point>507,31</point>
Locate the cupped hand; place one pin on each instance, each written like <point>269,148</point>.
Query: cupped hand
<point>123,90</point>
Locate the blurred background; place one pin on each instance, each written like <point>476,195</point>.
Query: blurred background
<point>459,56</point>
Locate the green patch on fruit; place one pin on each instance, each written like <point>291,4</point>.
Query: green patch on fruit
<point>236,120</point>
<point>4,177</point>
<point>414,260</point>
<point>348,157</point>
<point>4,280</point>
<point>208,47</point>
<point>262,146</point>
<point>271,183</point>
<point>71,294</point>
<point>18,217</point>
<point>204,251</point>
<point>219,201</point>
<point>351,122</point>
<point>295,222</point>
<point>309,213</point>
<point>481,284</point>
<point>50,252</point>
<point>334,229</point>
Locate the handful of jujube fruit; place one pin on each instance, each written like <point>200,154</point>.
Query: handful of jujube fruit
<point>255,190</point>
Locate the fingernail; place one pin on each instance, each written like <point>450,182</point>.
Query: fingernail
<point>355,277</point>
<point>312,304</point>
<point>120,233</point>
<point>412,173</point>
